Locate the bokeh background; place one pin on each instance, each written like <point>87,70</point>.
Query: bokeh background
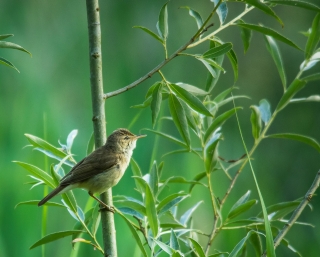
<point>51,97</point>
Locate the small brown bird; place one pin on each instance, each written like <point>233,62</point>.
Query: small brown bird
<point>102,169</point>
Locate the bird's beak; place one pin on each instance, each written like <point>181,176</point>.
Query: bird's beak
<point>140,136</point>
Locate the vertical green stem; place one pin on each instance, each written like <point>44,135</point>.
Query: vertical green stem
<point>99,121</point>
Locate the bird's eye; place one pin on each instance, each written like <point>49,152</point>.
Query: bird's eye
<point>126,138</point>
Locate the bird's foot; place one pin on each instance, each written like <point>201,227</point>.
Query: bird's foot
<point>105,207</point>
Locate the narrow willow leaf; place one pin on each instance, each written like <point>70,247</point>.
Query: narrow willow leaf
<point>171,138</point>
<point>163,22</point>
<point>137,173</point>
<point>132,212</point>
<point>174,243</point>
<point>8,63</point>
<point>71,138</point>
<point>190,99</point>
<point>246,35</point>
<point>276,56</point>
<point>197,17</point>
<point>280,210</point>
<point>166,248</point>
<point>156,103</point>
<point>190,117</point>
<point>312,98</point>
<point>154,35</point>
<point>307,140</point>
<point>135,235</point>
<point>4,44</point>
<point>133,205</point>
<point>197,178</point>
<point>35,202</point>
<point>256,123</point>
<point>5,36</point>
<point>222,10</point>
<point>241,209</point>
<point>296,3</point>
<point>294,88</point>
<point>209,68</point>
<point>312,77</point>
<point>154,178</point>
<point>54,236</point>
<point>255,240</point>
<point>290,247</point>
<point>220,254</point>
<point>197,248</point>
<point>313,38</point>
<point>265,111</point>
<point>308,64</point>
<point>210,151</point>
<point>242,243</point>
<point>145,104</point>
<point>223,94</point>
<point>187,215</point>
<point>192,89</point>
<point>214,64</point>
<point>90,145</point>
<point>95,218</point>
<point>150,90</point>
<point>151,211</point>
<point>243,199</point>
<point>179,118</point>
<point>265,8</point>
<point>38,173</point>
<point>268,32</point>
<point>218,121</point>
<point>170,201</point>
<point>234,63</point>
<point>217,51</point>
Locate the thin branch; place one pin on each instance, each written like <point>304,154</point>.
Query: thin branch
<point>142,230</point>
<point>297,212</point>
<point>200,31</point>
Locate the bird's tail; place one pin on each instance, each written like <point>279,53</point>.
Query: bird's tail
<point>52,194</point>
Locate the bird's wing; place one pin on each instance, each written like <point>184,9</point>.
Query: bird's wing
<point>93,164</point>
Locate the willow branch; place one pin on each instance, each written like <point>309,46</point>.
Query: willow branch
<point>199,32</point>
<point>297,212</point>
<point>99,120</point>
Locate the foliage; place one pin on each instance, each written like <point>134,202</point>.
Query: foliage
<point>153,219</point>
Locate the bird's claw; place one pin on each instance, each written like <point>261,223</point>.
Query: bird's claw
<point>107,208</point>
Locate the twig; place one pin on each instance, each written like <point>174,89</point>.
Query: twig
<point>142,230</point>
<point>163,63</point>
<point>297,212</point>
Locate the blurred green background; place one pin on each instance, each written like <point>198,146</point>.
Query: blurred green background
<point>53,91</point>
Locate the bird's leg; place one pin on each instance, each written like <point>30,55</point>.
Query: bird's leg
<point>102,204</point>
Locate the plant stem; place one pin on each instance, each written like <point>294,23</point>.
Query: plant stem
<point>99,121</point>
<point>297,212</point>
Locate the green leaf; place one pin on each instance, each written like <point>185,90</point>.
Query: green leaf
<point>179,118</point>
<point>222,10</point>
<point>164,247</point>
<point>95,217</point>
<point>246,35</point>
<point>154,35</point>
<point>217,51</point>
<point>133,204</point>
<point>255,121</point>
<point>280,210</point>
<point>234,63</point>
<point>4,44</point>
<point>265,8</point>
<point>255,240</point>
<point>197,248</point>
<point>190,99</point>
<point>145,104</point>
<point>241,209</point>
<point>223,94</point>
<point>192,89</point>
<point>171,138</point>
<point>170,201</point>
<point>294,88</point>
<point>174,243</point>
<point>163,22</point>
<point>312,98</point>
<point>313,38</point>
<point>35,202</point>
<point>276,56</point>
<point>296,3</point>
<point>137,172</point>
<point>187,215</point>
<point>218,121</point>
<point>154,178</point>
<point>135,235</point>
<point>54,236</point>
<point>197,17</point>
<point>213,64</point>
<point>307,140</point>
<point>312,77</point>
<point>5,36</point>
<point>7,63</point>
<point>209,68</point>
<point>151,211</point>
<point>211,152</point>
<point>90,145</point>
<point>38,173</point>
<point>156,103</point>
<point>242,243</point>
<point>268,32</point>
<point>190,114</point>
<point>52,151</point>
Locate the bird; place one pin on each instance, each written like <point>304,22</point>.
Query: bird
<point>100,170</point>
